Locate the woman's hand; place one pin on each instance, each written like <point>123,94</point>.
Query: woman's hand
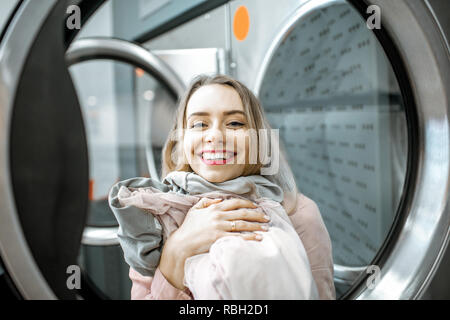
<point>205,223</point>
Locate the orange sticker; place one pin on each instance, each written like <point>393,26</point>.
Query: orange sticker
<point>241,23</point>
<point>91,189</point>
<point>139,72</point>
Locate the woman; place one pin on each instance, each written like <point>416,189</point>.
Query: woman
<point>221,111</point>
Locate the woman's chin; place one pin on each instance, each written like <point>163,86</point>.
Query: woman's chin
<point>217,174</point>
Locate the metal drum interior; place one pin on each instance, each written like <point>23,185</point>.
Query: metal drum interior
<point>330,89</point>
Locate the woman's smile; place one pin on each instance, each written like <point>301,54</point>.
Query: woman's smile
<point>217,157</point>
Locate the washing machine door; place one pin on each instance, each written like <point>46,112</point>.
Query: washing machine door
<point>46,186</point>
<point>44,174</point>
<point>363,114</point>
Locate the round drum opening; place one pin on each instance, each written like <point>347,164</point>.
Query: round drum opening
<point>330,87</point>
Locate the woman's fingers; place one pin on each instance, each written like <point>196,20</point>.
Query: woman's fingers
<point>206,202</point>
<point>240,225</point>
<point>233,204</point>
<point>246,236</point>
<point>245,214</point>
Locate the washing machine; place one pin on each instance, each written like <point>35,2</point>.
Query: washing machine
<point>359,91</point>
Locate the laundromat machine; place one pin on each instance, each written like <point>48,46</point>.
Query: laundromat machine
<point>362,111</point>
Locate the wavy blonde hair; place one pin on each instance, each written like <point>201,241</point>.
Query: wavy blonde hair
<point>173,157</point>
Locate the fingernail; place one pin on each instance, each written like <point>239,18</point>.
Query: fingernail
<point>265,228</point>
<point>258,237</point>
<point>267,217</point>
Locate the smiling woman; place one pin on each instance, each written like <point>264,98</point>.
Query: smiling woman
<point>212,202</point>
<point>214,122</point>
<point>216,136</point>
<point>221,114</point>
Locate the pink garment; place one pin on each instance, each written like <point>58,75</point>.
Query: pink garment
<point>309,226</point>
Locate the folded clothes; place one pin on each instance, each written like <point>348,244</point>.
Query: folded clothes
<point>275,268</point>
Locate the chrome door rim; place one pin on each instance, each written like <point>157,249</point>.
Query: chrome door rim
<point>425,211</point>
<point>14,249</point>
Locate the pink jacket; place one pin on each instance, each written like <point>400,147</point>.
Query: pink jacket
<point>309,225</point>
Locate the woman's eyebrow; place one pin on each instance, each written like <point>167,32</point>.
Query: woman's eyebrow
<point>227,113</point>
<point>200,114</point>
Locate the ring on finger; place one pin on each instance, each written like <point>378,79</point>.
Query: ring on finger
<point>233,226</point>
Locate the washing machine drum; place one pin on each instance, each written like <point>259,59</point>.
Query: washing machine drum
<point>353,104</point>
<point>47,156</point>
<point>45,176</point>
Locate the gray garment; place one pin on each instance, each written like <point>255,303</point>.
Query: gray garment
<point>251,187</point>
<point>140,233</point>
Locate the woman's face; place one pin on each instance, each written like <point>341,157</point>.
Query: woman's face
<point>216,133</point>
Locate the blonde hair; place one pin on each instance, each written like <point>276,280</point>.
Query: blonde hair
<point>173,157</point>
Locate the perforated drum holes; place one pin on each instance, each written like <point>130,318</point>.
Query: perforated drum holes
<point>329,86</point>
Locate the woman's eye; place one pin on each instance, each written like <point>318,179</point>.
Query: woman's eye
<point>236,124</point>
<point>198,125</point>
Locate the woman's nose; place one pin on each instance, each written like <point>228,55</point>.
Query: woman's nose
<point>214,135</point>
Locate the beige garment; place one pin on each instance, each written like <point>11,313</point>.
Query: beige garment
<point>234,268</point>
<point>310,227</point>
<point>308,224</point>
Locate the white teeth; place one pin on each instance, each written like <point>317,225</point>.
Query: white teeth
<point>217,155</point>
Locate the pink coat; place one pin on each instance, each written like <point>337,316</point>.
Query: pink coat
<point>309,225</point>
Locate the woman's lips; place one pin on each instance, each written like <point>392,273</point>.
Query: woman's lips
<point>217,157</point>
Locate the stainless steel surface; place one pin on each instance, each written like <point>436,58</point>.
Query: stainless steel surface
<point>206,31</point>
<point>265,22</point>
<point>188,63</point>
<point>325,82</point>
<point>14,49</point>
<point>413,259</point>
<point>107,236</point>
<point>439,286</point>
<point>115,49</point>
<point>6,8</point>
<point>198,46</point>
<point>440,10</point>
<point>347,275</point>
